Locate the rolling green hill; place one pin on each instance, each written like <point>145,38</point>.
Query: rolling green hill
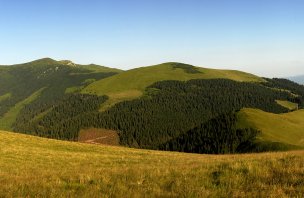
<point>5,97</point>
<point>8,119</point>
<point>171,106</point>
<point>132,83</point>
<point>286,128</point>
<point>38,167</point>
<point>289,105</point>
<point>52,79</point>
<point>50,62</point>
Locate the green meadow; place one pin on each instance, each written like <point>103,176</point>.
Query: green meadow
<point>5,97</point>
<point>10,117</point>
<point>131,84</point>
<point>289,105</point>
<point>285,128</point>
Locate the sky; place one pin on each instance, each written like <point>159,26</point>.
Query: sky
<point>264,37</point>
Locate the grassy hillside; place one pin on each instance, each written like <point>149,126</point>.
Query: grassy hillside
<point>5,97</point>
<point>36,167</point>
<point>289,105</point>
<point>51,62</point>
<point>98,68</point>
<point>131,84</point>
<point>9,117</point>
<point>178,98</point>
<point>285,128</point>
<point>18,83</point>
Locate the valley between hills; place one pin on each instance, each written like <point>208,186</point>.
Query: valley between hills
<point>82,130</point>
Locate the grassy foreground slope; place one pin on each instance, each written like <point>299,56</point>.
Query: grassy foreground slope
<point>286,128</point>
<point>37,167</point>
<point>132,83</point>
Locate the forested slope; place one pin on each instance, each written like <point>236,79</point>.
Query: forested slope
<point>53,78</point>
<point>171,106</point>
<point>169,110</point>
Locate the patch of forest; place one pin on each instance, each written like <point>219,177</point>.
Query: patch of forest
<point>284,84</point>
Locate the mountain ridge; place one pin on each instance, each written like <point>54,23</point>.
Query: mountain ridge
<point>52,62</point>
<point>173,106</point>
<point>131,84</point>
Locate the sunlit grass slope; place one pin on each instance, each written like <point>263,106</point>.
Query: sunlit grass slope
<point>36,167</point>
<point>98,68</point>
<point>131,84</point>
<point>288,105</point>
<point>10,117</point>
<point>5,97</point>
<point>285,128</point>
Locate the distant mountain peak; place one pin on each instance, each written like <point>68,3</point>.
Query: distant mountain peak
<point>68,62</point>
<point>49,61</point>
<point>43,61</point>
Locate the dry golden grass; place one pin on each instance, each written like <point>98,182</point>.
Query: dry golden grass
<point>37,167</point>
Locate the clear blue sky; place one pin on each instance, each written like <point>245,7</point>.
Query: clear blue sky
<point>265,37</point>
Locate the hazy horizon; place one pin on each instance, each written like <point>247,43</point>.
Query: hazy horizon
<point>263,38</point>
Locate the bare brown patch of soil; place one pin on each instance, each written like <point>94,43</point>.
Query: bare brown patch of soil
<point>99,136</point>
